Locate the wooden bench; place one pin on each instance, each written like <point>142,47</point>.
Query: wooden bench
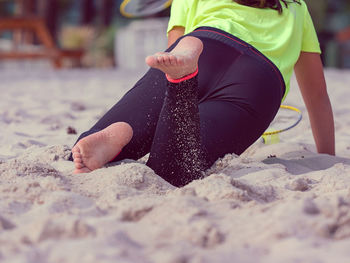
<point>48,49</point>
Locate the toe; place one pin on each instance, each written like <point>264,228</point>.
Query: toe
<point>168,60</point>
<point>76,155</point>
<point>151,60</point>
<point>79,165</point>
<point>78,161</point>
<point>75,149</point>
<point>160,59</point>
<point>82,170</point>
<point>172,60</point>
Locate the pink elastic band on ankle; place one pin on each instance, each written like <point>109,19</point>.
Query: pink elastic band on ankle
<point>183,78</point>
<point>115,156</point>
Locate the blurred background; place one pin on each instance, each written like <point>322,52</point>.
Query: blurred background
<point>93,33</point>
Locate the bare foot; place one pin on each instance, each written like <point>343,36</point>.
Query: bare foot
<point>95,150</point>
<point>181,61</point>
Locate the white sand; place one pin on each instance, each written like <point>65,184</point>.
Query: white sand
<point>294,207</point>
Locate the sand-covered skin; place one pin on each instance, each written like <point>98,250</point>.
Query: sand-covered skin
<point>275,203</point>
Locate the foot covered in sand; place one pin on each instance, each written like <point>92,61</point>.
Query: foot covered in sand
<point>181,61</point>
<point>95,150</point>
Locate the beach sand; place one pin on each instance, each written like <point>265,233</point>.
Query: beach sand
<point>275,203</point>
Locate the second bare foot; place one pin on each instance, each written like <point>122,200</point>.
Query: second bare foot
<point>181,61</point>
<point>95,150</point>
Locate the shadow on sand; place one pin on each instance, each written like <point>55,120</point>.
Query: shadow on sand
<point>305,164</point>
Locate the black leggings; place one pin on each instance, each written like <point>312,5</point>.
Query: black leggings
<point>187,126</point>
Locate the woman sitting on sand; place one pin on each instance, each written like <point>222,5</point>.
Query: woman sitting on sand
<point>215,90</point>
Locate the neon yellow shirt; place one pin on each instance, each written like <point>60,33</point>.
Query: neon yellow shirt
<point>280,37</point>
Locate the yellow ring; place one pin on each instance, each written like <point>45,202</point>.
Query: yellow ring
<point>279,131</point>
<point>122,8</point>
<point>125,2</point>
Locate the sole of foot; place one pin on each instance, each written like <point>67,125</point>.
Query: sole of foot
<point>181,61</point>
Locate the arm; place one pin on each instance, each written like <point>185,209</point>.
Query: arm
<point>312,84</point>
<point>174,34</point>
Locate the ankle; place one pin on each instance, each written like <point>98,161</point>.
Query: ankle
<point>183,78</point>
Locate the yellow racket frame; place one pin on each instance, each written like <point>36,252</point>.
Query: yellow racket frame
<point>126,14</point>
